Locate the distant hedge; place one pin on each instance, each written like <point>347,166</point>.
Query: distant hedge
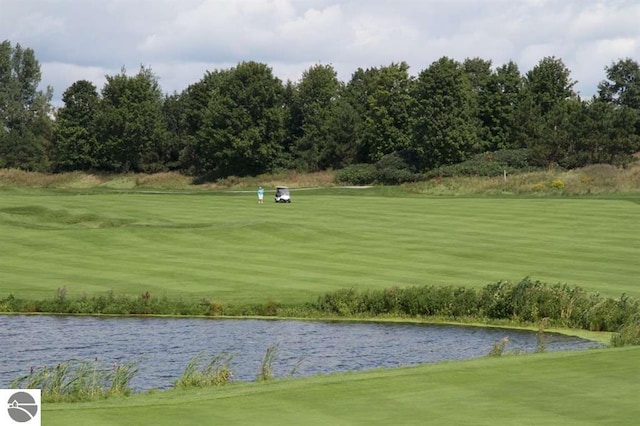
<point>527,301</point>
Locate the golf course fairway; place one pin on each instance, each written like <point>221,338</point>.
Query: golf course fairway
<point>228,248</point>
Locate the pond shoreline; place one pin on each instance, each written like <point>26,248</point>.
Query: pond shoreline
<point>161,348</point>
<point>602,337</point>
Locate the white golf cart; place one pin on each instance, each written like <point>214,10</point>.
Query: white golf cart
<point>283,195</point>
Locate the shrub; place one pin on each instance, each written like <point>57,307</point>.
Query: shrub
<point>394,169</point>
<point>557,184</point>
<point>215,308</point>
<point>465,302</point>
<point>10,304</point>
<point>611,314</point>
<point>629,334</point>
<point>271,308</point>
<point>514,158</point>
<point>357,174</point>
<point>488,164</point>
<point>496,300</point>
<point>345,301</point>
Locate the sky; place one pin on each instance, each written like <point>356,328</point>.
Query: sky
<point>180,40</point>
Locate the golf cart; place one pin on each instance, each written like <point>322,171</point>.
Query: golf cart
<point>282,195</point>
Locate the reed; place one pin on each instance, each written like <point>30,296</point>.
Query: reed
<point>266,368</point>
<point>200,374</point>
<point>498,348</point>
<point>76,380</point>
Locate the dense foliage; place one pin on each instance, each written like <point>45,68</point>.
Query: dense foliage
<point>244,121</point>
<point>528,302</point>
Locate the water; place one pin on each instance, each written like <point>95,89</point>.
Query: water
<point>163,347</point>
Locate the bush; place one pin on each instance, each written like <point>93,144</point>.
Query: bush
<point>612,314</point>
<point>357,174</point>
<point>629,334</point>
<point>514,158</point>
<point>345,301</point>
<point>392,169</point>
<point>496,300</point>
<point>488,164</point>
<point>527,301</point>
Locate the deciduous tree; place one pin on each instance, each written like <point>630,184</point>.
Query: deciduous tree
<point>130,127</point>
<point>382,99</point>
<point>242,124</point>
<point>444,126</point>
<point>312,107</point>
<point>623,85</point>
<point>25,124</point>
<point>75,144</point>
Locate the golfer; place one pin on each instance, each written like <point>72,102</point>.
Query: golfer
<point>260,195</point>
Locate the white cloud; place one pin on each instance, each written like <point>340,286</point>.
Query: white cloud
<point>180,40</point>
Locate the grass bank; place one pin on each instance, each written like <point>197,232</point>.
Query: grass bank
<point>575,388</point>
<point>590,180</point>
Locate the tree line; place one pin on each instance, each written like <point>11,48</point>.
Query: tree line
<point>245,121</point>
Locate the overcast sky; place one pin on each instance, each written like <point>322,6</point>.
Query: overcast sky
<point>181,39</point>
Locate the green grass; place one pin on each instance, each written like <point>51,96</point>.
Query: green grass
<point>575,388</point>
<point>227,247</point>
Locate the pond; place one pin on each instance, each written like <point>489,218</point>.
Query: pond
<point>163,347</point>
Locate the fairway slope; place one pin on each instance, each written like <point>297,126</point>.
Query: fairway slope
<point>573,388</point>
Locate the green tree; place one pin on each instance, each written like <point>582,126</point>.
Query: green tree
<point>174,112</point>
<point>579,133</point>
<point>130,125</point>
<point>190,107</point>
<point>444,127</point>
<point>344,122</point>
<point>312,106</point>
<point>548,84</point>
<point>497,106</point>
<point>75,144</point>
<point>382,98</point>
<point>480,75</point>
<point>25,124</point>
<point>242,125</point>
<point>605,133</point>
<point>547,97</point>
<point>623,87</point>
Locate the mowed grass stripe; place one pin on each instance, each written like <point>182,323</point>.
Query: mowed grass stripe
<point>226,246</point>
<point>573,388</point>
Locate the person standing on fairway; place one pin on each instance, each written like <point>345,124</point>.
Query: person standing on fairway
<point>260,195</point>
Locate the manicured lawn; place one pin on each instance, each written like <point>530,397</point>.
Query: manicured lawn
<point>228,248</point>
<point>594,387</point>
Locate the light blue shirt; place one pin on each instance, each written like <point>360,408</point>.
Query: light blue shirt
<point>260,192</point>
